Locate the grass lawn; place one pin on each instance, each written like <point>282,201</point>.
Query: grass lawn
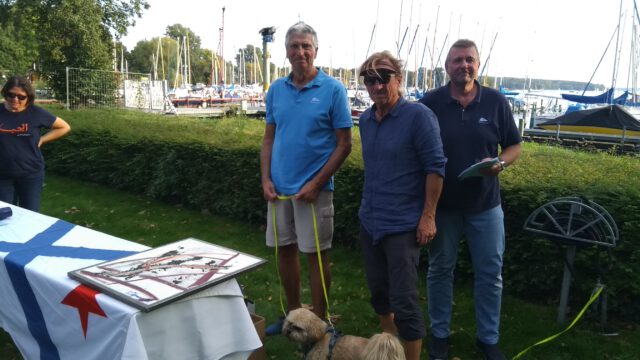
<point>139,219</point>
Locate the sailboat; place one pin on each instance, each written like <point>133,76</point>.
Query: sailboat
<point>605,113</point>
<point>605,120</point>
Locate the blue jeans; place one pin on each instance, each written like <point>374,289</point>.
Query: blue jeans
<point>484,232</point>
<point>22,191</point>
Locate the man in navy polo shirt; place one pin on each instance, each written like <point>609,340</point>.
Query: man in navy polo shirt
<point>307,137</point>
<point>475,123</point>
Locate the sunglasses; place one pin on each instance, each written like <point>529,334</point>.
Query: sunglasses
<point>11,95</point>
<point>382,78</point>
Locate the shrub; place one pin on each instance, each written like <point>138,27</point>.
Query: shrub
<point>214,165</point>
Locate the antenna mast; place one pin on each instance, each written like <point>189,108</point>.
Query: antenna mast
<point>221,54</point>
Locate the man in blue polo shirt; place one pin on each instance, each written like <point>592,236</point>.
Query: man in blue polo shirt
<point>307,137</point>
<point>475,122</point>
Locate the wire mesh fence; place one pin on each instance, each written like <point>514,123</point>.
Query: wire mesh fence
<point>113,89</point>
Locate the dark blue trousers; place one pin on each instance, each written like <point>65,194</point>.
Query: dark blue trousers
<point>22,191</point>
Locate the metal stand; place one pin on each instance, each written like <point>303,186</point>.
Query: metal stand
<point>575,222</point>
<point>566,284</point>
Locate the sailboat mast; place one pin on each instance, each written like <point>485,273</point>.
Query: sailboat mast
<point>255,66</point>
<point>221,53</point>
<point>400,27</point>
<point>213,68</point>
<point>184,62</point>
<point>615,59</point>
<point>187,60</point>
<point>424,69</point>
<point>244,67</point>
<point>178,63</point>
<point>371,40</point>
<point>433,65</point>
<point>634,62</point>
<point>162,59</point>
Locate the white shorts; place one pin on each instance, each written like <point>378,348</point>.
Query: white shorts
<point>294,219</point>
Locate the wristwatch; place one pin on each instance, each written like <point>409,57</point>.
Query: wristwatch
<point>503,164</point>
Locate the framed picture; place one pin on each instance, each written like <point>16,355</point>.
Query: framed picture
<point>156,277</point>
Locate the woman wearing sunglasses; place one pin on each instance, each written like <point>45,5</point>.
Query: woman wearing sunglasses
<point>21,162</point>
<point>403,171</point>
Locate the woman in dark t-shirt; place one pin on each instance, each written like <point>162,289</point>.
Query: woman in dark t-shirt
<point>21,162</point>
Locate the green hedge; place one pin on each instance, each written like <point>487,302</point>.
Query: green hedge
<point>214,165</point>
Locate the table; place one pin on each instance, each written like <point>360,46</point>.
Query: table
<point>50,316</point>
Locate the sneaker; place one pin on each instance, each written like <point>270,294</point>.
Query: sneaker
<point>275,328</point>
<point>438,348</point>
<point>490,351</point>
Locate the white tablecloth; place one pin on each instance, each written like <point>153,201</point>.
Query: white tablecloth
<point>51,316</point>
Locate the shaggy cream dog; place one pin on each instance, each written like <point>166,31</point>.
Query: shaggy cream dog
<point>304,327</point>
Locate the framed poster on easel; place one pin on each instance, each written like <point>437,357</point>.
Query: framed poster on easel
<point>159,276</point>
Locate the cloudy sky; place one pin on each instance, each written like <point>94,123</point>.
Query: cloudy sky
<point>548,39</point>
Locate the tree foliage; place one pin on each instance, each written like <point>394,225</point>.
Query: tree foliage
<point>18,44</point>
<point>54,34</point>
<point>141,58</point>
<point>178,32</point>
<point>15,55</point>
<point>118,15</point>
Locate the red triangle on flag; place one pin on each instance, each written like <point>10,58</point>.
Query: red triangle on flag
<point>84,298</point>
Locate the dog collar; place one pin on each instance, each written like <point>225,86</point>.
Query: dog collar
<point>335,335</point>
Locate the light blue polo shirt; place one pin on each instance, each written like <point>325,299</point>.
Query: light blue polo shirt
<point>306,120</point>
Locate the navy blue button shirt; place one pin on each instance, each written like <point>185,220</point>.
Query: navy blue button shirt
<point>398,154</point>
<point>469,135</point>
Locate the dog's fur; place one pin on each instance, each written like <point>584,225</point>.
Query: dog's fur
<point>305,327</point>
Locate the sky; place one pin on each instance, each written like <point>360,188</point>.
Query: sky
<point>542,39</point>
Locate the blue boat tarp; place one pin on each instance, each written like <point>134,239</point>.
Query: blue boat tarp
<point>604,98</point>
<point>507,92</point>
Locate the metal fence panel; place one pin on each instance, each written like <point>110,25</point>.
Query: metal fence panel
<point>113,89</point>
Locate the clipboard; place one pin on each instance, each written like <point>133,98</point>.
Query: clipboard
<point>474,170</point>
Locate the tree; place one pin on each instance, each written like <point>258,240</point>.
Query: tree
<point>178,31</point>
<point>141,58</point>
<point>199,59</point>
<point>18,43</point>
<point>75,37</point>
<point>75,33</point>
<point>16,56</point>
<point>118,15</point>
<point>252,63</point>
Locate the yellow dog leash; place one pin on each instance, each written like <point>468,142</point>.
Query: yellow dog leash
<point>593,298</point>
<point>315,232</point>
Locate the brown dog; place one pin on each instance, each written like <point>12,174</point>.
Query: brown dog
<point>305,327</point>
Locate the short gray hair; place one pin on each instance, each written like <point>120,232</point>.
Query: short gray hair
<point>462,44</point>
<point>301,28</point>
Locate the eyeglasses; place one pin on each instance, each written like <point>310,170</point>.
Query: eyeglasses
<point>382,78</point>
<point>11,95</point>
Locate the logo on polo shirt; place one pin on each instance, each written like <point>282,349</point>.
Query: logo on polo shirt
<point>315,100</point>
<point>483,121</point>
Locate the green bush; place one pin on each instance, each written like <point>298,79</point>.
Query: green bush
<point>213,165</point>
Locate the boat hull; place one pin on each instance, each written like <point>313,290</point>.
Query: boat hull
<point>591,130</point>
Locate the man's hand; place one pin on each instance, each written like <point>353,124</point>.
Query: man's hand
<point>491,171</point>
<point>269,191</point>
<point>426,229</point>
<point>308,193</point>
